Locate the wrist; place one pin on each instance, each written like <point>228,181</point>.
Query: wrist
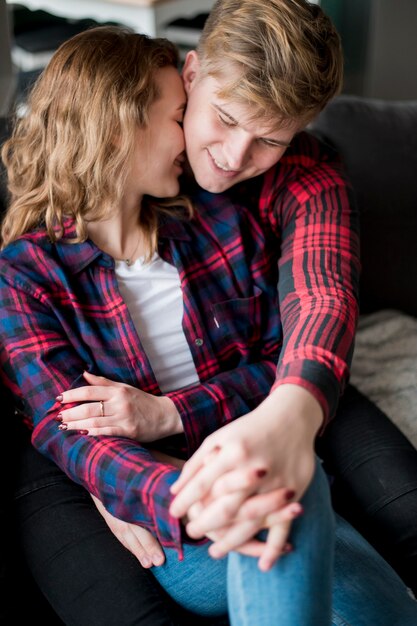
<point>295,404</point>
<point>170,417</point>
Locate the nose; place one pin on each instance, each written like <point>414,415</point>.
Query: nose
<point>237,149</point>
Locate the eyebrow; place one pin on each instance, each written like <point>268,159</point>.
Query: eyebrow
<point>278,142</point>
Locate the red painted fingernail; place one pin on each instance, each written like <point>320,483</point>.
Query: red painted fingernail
<point>83,432</point>
<point>63,427</point>
<point>261,473</point>
<point>59,398</point>
<point>289,494</point>
<point>58,418</point>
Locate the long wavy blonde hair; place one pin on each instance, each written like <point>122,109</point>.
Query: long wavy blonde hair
<point>62,159</point>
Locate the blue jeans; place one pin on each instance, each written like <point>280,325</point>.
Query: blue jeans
<point>297,590</point>
<point>302,586</point>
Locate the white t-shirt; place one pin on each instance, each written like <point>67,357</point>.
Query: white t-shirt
<point>153,295</point>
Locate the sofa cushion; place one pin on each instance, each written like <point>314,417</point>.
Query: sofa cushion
<point>377,140</point>
<point>384,366</point>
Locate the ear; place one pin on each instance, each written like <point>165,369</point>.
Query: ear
<point>190,70</point>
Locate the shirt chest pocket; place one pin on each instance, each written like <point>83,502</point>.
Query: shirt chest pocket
<point>239,323</point>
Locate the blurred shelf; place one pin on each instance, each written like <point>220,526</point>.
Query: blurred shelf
<point>185,31</point>
<point>144,16</point>
<point>8,78</point>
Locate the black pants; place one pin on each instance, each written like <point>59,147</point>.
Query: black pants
<point>375,480</point>
<point>84,573</point>
<point>82,570</point>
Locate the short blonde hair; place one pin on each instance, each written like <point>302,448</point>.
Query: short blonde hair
<point>62,159</point>
<point>287,54</point>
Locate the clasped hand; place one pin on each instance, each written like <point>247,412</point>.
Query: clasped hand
<point>246,476</point>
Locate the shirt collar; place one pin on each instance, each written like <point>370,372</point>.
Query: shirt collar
<point>77,256</point>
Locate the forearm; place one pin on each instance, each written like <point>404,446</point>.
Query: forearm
<point>132,485</point>
<point>318,291</point>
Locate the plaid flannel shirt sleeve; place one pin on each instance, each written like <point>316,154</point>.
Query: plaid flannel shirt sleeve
<point>38,362</point>
<point>318,278</point>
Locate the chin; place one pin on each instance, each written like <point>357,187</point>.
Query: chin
<point>212,185</point>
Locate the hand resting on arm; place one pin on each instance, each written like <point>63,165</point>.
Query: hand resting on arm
<point>128,411</point>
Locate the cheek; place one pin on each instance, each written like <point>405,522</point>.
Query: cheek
<point>202,136</point>
<point>192,131</point>
<point>169,143</point>
<point>199,127</point>
<point>188,133</point>
<point>179,138</point>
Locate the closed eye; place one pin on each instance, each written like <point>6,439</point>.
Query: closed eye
<point>181,113</point>
<point>225,121</point>
<point>273,144</point>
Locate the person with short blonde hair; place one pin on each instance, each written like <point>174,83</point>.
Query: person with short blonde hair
<point>282,59</point>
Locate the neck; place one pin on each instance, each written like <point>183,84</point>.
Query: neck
<point>120,236</point>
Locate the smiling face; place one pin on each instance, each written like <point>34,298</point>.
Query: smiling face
<point>224,144</point>
<point>158,156</point>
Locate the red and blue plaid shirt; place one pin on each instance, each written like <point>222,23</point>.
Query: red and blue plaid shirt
<point>61,312</point>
